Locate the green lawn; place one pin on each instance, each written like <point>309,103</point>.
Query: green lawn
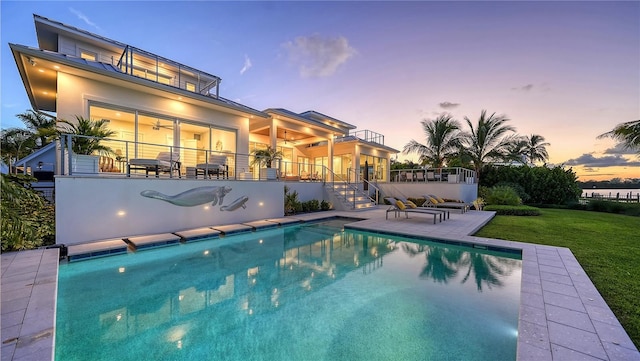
<point>606,245</point>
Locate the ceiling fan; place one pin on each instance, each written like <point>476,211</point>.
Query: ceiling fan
<point>157,125</point>
<point>290,140</point>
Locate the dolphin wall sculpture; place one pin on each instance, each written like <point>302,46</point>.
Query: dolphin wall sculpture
<point>240,202</point>
<point>192,197</point>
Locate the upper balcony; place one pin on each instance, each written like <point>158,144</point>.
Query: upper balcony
<point>365,135</point>
<point>143,64</point>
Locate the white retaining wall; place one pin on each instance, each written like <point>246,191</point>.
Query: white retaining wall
<point>462,191</point>
<point>94,208</point>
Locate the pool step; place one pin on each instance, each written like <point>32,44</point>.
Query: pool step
<point>257,225</point>
<point>96,249</point>
<point>196,234</point>
<point>153,240</point>
<point>232,229</point>
<point>285,220</point>
<point>116,246</point>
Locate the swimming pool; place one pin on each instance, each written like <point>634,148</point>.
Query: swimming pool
<point>303,292</point>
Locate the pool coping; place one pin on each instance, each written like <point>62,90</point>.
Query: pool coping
<point>562,315</point>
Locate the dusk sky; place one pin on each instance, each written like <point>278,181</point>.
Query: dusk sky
<point>568,71</point>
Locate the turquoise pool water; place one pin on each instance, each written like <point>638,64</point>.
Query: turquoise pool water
<point>304,292</point>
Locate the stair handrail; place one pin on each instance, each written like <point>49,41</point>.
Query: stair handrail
<point>326,171</point>
<point>358,178</point>
<point>353,189</point>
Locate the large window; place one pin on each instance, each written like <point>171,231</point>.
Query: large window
<point>342,166</point>
<point>144,135</point>
<point>377,167</point>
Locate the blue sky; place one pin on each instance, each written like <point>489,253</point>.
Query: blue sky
<point>568,71</point>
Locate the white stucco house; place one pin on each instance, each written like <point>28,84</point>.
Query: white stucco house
<point>175,134</point>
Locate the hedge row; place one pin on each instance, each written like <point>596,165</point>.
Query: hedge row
<point>629,209</point>
<point>545,185</point>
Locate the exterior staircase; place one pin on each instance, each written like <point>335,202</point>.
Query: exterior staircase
<point>349,196</point>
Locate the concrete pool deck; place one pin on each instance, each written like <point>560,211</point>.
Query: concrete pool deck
<point>562,315</point>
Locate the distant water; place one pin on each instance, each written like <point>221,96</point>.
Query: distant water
<point>611,192</point>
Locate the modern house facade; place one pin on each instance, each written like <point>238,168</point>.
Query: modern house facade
<point>158,108</point>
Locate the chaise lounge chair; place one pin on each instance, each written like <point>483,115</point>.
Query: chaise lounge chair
<point>437,202</point>
<point>217,166</point>
<point>397,206</point>
<point>445,212</point>
<point>167,162</point>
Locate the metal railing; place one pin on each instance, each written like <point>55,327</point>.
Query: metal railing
<point>354,174</point>
<point>369,136</point>
<point>444,175</point>
<point>304,172</point>
<point>342,187</point>
<point>143,64</point>
<point>130,158</point>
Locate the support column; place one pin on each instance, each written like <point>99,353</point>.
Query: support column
<point>356,164</point>
<point>273,133</point>
<point>330,158</point>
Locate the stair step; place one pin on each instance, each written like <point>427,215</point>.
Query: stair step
<point>354,200</point>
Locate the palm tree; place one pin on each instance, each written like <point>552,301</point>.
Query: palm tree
<point>628,134</point>
<point>264,157</point>
<point>16,143</point>
<point>536,149</point>
<point>42,126</point>
<point>488,140</point>
<point>516,150</point>
<point>88,134</point>
<point>442,141</point>
<point>528,149</point>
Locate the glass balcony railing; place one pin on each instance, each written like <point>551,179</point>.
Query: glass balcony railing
<point>445,175</point>
<point>366,135</point>
<point>143,64</point>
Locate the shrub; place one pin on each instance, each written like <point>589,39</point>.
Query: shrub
<point>519,190</point>
<point>629,209</point>
<point>291,203</point>
<point>314,205</point>
<point>483,192</point>
<point>325,206</point>
<point>543,185</point>
<point>28,220</point>
<point>503,195</point>
<point>504,210</point>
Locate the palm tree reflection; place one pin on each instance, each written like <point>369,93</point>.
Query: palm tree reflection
<point>443,264</point>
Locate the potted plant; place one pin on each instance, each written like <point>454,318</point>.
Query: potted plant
<point>86,147</point>
<point>264,158</point>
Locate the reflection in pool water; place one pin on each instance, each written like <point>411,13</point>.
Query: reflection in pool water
<point>306,292</point>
